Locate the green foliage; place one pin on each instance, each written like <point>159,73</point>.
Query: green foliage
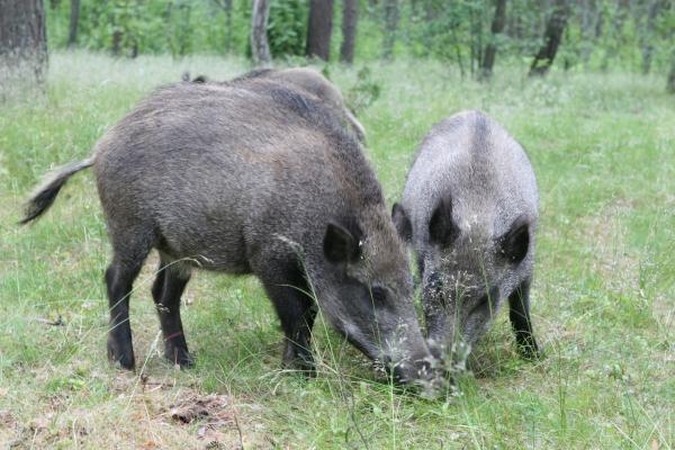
<point>287,27</point>
<point>455,33</point>
<point>600,35</point>
<point>364,92</point>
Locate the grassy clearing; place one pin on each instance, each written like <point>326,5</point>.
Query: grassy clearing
<point>603,148</point>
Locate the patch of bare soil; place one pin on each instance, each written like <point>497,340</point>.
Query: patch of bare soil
<point>211,421</point>
<point>139,413</point>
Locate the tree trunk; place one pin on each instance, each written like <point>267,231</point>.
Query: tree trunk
<point>260,48</point>
<point>349,20</point>
<point>615,31</point>
<point>670,87</point>
<point>391,18</point>
<point>648,36</point>
<point>74,19</point>
<point>228,24</point>
<point>319,28</point>
<point>23,42</point>
<point>588,20</point>
<point>552,38</point>
<point>498,23</point>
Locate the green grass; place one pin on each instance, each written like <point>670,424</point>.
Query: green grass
<point>603,148</point>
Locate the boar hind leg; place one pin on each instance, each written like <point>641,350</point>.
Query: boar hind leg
<point>166,292</point>
<point>519,304</point>
<point>296,310</point>
<point>119,279</point>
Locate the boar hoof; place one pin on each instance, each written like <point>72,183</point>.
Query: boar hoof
<point>124,356</point>
<point>180,356</point>
<point>298,361</point>
<point>530,351</point>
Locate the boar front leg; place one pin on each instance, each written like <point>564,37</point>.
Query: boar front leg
<point>289,290</point>
<point>519,304</point>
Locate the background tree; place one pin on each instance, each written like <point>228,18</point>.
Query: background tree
<point>179,14</point>
<point>349,21</point>
<point>498,23</point>
<point>319,28</point>
<point>552,38</point>
<point>391,20</point>
<point>74,19</point>
<point>226,6</point>
<point>23,40</point>
<point>287,28</point>
<point>647,35</point>
<point>260,50</point>
<point>670,86</point>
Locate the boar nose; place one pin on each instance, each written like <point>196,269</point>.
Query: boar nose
<point>423,372</point>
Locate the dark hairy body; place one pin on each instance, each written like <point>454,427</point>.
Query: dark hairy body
<point>255,178</point>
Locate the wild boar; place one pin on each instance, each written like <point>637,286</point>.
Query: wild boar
<point>309,81</point>
<point>470,209</point>
<point>257,180</point>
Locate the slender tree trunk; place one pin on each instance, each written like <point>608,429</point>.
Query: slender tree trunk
<point>260,48</point>
<point>349,20</point>
<point>670,86</point>
<point>23,42</point>
<point>228,24</point>
<point>391,19</point>
<point>552,38</point>
<point>615,32</point>
<point>588,20</point>
<point>648,36</point>
<point>74,19</point>
<point>319,28</point>
<point>498,23</point>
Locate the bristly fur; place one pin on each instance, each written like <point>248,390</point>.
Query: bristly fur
<point>43,197</point>
<point>471,202</point>
<point>210,174</point>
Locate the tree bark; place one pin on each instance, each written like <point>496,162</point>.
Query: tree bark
<point>670,86</point>
<point>74,19</point>
<point>648,36</point>
<point>588,20</point>
<point>228,24</point>
<point>260,48</point>
<point>349,20</point>
<point>391,19</point>
<point>498,23</point>
<point>226,6</point>
<point>23,41</point>
<point>552,38</point>
<point>319,28</point>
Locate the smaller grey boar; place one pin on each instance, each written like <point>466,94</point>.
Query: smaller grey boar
<point>252,178</point>
<point>470,209</point>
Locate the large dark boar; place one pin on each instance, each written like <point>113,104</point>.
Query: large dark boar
<point>470,207</point>
<point>309,82</point>
<point>264,181</point>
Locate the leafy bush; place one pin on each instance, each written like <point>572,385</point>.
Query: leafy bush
<point>287,27</point>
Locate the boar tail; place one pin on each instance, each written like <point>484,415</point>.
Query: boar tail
<point>43,197</point>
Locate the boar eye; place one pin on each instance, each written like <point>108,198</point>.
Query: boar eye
<point>514,244</point>
<point>378,295</point>
<point>442,229</point>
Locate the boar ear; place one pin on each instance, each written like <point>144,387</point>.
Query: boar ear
<point>402,223</point>
<point>442,230</point>
<point>340,245</point>
<point>514,244</point>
